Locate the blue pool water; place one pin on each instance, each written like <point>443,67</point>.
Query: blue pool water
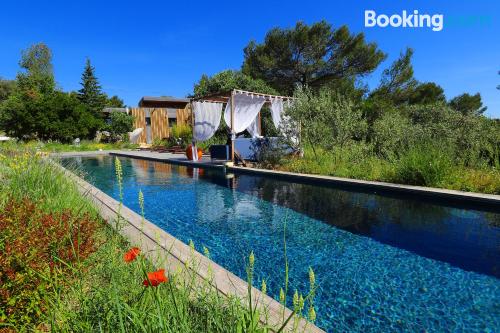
<point>383,264</point>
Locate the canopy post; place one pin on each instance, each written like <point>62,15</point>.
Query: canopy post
<point>192,119</point>
<point>233,135</point>
<point>194,151</point>
<point>260,125</point>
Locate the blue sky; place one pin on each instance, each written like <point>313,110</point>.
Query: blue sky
<point>162,48</point>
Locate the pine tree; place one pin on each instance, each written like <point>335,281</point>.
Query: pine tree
<point>91,93</point>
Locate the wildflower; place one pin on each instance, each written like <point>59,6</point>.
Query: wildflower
<point>295,300</point>
<point>131,254</point>
<point>251,259</point>
<point>312,314</point>
<point>301,302</point>
<point>118,170</point>
<point>264,287</point>
<point>141,201</point>
<point>206,252</point>
<point>155,278</point>
<point>312,278</point>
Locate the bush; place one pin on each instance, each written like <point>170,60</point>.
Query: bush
<point>45,225</point>
<point>424,165</point>
<point>392,134</point>
<point>485,181</point>
<point>55,116</point>
<point>268,154</point>
<point>181,134</point>
<point>120,124</point>
<point>35,246</point>
<point>327,119</point>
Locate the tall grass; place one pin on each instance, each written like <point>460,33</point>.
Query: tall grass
<point>25,174</point>
<point>424,165</point>
<point>57,147</point>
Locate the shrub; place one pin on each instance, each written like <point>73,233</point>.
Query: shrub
<point>391,135</point>
<point>327,119</point>
<point>182,134</point>
<point>120,124</point>
<point>484,180</point>
<point>159,143</point>
<point>267,153</point>
<point>424,165</point>
<point>54,116</point>
<point>35,246</point>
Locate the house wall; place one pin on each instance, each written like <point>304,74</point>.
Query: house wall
<point>139,122</point>
<point>159,121</point>
<point>183,115</point>
<point>159,124</point>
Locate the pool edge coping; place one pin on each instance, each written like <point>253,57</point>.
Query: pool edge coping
<point>180,254</point>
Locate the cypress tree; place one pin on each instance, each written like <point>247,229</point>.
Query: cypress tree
<point>91,93</point>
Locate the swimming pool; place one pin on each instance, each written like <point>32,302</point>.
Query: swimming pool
<point>382,263</point>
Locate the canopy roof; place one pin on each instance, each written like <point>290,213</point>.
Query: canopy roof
<point>163,102</point>
<point>223,97</point>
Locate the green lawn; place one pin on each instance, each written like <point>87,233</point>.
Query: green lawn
<point>85,145</point>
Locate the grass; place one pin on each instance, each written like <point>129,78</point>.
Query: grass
<point>425,167</point>
<point>75,278</point>
<point>85,145</point>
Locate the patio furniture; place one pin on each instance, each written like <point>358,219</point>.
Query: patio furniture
<point>219,152</point>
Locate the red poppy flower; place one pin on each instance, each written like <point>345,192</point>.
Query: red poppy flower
<point>131,254</point>
<point>155,278</point>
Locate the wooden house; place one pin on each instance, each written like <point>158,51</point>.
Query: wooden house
<point>157,115</point>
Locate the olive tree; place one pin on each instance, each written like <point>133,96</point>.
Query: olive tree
<point>327,119</point>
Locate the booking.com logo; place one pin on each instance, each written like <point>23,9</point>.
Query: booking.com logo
<point>405,20</point>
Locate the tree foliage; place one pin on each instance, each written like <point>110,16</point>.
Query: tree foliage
<point>91,92</point>
<point>397,83</point>
<point>310,55</point>
<point>54,116</point>
<point>6,88</point>
<point>120,123</point>
<point>227,80</point>
<point>468,104</point>
<point>326,119</point>
<point>114,102</point>
<point>36,76</point>
<point>427,93</point>
<point>36,109</point>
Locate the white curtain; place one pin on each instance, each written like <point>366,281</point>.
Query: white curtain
<point>206,119</point>
<point>282,122</point>
<point>276,111</point>
<point>253,129</point>
<point>246,108</point>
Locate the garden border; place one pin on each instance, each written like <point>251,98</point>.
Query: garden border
<point>154,241</point>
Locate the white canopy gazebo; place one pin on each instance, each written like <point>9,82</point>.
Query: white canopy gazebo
<point>242,112</point>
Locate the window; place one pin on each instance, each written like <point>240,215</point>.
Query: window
<point>172,122</point>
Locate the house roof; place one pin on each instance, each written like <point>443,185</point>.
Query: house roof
<point>163,101</point>
<point>109,110</point>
